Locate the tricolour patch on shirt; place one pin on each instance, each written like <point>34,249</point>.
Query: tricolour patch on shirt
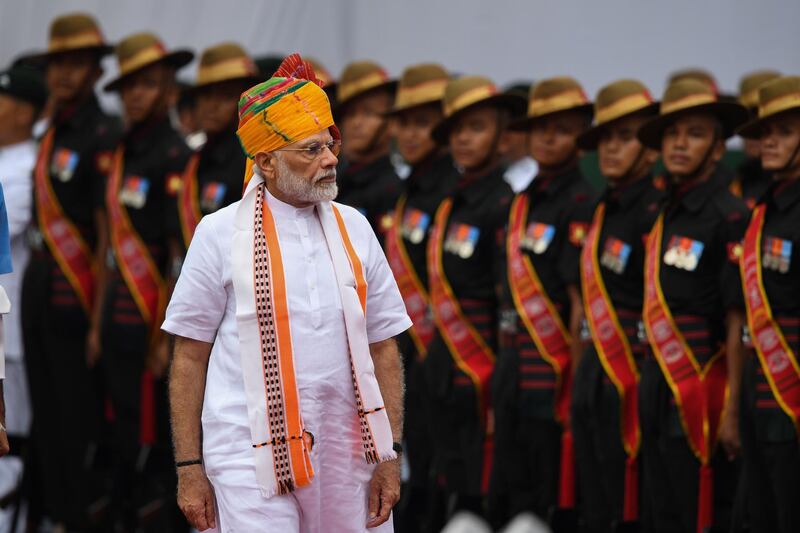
<point>64,163</point>
<point>415,224</point>
<point>461,240</point>
<point>683,252</point>
<point>134,191</point>
<point>538,237</point>
<point>777,254</point>
<point>212,196</point>
<point>615,255</point>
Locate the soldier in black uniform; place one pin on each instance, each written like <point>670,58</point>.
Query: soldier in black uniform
<point>693,317</point>
<point>751,180</point>
<point>58,288</point>
<point>417,109</point>
<point>770,405</point>
<point>140,199</point>
<point>461,285</point>
<point>214,175</point>
<point>367,179</point>
<point>604,408</point>
<point>531,387</point>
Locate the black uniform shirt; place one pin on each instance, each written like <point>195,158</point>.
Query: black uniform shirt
<point>373,189</point>
<point>752,181</point>
<point>630,214</point>
<point>220,173</point>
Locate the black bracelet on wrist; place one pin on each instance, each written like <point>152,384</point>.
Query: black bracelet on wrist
<point>180,464</point>
<point>397,447</point>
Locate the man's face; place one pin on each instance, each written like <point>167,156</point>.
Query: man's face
<point>552,139</point>
<point>474,137</point>
<point>16,119</point>
<point>217,106</point>
<point>145,93</point>
<point>413,132</point>
<point>302,179</point>
<point>686,142</point>
<point>620,152</point>
<point>515,146</point>
<point>752,148</point>
<point>363,125</point>
<point>779,140</point>
<point>71,75</point>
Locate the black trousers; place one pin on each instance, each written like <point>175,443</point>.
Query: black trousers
<point>672,469</point>
<point>771,464</point>
<point>599,453</point>
<point>65,398</point>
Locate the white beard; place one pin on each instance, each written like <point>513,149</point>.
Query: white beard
<point>302,189</point>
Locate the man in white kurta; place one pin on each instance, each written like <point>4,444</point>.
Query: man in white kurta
<point>203,308</point>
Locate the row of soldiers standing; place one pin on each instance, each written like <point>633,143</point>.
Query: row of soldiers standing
<point>576,357</point>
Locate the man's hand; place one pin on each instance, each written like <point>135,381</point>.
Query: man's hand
<point>384,492</point>
<point>196,497</point>
<point>729,435</point>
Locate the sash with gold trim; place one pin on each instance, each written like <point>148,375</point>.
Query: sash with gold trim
<point>616,356</point>
<point>470,352</point>
<point>143,279</point>
<point>414,294</point>
<point>777,358</point>
<point>547,330</point>
<point>63,239</point>
<point>700,392</point>
<point>188,205</point>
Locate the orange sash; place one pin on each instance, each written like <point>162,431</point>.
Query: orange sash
<point>700,392</point>
<point>188,208</point>
<point>469,351</point>
<point>616,356</point>
<point>65,242</point>
<point>544,325</point>
<point>777,359</point>
<point>414,294</point>
<point>142,277</point>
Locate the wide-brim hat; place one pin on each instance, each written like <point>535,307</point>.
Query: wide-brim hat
<point>141,50</point>
<point>749,85</point>
<point>776,97</point>
<point>691,96</point>
<point>225,62</point>
<point>697,74</point>
<point>24,83</point>
<point>360,78</point>
<point>420,85</point>
<point>615,101</point>
<point>469,92</point>
<point>551,96</point>
<point>73,32</point>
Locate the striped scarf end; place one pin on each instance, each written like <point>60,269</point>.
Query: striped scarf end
<point>285,487</point>
<point>372,457</point>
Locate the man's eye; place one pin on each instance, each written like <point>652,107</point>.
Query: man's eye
<point>314,149</point>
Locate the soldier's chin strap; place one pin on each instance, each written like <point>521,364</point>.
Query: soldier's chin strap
<point>790,160</point>
<point>703,162</point>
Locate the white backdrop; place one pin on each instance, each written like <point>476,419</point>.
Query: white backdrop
<point>594,40</point>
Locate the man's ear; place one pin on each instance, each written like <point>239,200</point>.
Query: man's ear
<point>267,164</point>
<point>719,150</point>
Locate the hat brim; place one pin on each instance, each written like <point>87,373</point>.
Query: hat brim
<point>514,103</point>
<point>176,59</point>
<point>752,129</point>
<point>102,50</point>
<point>340,105</point>
<point>730,114</point>
<point>589,139</point>
<point>525,123</point>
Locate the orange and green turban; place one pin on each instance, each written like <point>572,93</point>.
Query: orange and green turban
<point>285,109</point>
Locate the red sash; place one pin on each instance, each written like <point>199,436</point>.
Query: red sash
<point>544,325</point>
<point>616,356</point>
<point>466,346</point>
<point>700,392</point>
<point>414,294</point>
<point>63,239</point>
<point>143,279</point>
<point>777,359</point>
<point>188,208</point>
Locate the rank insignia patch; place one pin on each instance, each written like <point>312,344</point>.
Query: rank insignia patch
<point>683,253</point>
<point>577,232</point>
<point>174,183</point>
<point>538,237</point>
<point>63,164</point>
<point>615,255</point>
<point>415,225</point>
<point>461,240</point>
<point>777,254</point>
<point>212,197</point>
<point>134,191</point>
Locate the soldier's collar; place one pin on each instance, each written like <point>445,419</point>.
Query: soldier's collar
<point>76,117</point>
<point>476,189</point>
<point>365,172</point>
<point>144,135</point>
<point>222,148</point>
<point>626,195</point>
<point>552,185</point>
<point>786,195</point>
<point>696,195</point>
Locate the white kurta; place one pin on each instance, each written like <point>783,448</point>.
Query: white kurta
<point>521,173</point>
<point>203,307</point>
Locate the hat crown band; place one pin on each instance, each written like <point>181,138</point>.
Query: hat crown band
<point>686,102</point>
<point>420,93</point>
<point>564,101</point>
<point>83,39</point>
<point>231,68</point>
<point>779,104</point>
<point>347,89</point>
<point>625,105</point>
<point>143,57</point>
<point>468,98</point>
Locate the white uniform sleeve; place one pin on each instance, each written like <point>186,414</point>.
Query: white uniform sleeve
<point>386,311</point>
<point>199,299</point>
